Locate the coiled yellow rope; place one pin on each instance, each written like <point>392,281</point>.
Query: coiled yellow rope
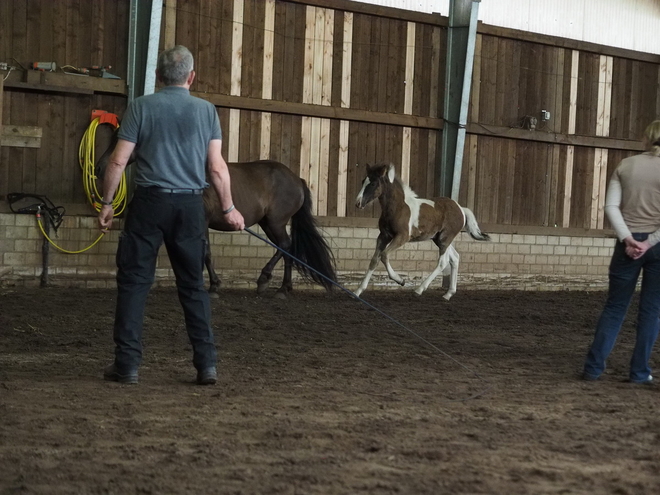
<point>41,227</point>
<point>87,160</point>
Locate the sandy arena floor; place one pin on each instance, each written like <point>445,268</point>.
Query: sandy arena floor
<point>320,394</point>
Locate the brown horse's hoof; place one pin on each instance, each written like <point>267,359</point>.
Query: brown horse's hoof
<point>280,295</point>
<point>214,295</point>
<point>261,288</point>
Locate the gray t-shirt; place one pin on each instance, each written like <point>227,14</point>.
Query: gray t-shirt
<point>172,131</point>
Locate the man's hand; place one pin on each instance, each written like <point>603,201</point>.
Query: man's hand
<point>105,217</point>
<point>235,219</point>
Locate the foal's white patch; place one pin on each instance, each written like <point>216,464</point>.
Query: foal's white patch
<point>414,203</point>
<point>365,183</point>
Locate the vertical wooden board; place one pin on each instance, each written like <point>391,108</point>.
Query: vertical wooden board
<point>279,44</point>
<point>288,55</point>
<point>120,65</point>
<point>620,98</point>
<point>535,76</point>
<point>371,76</point>
<point>411,176</point>
<point>434,84</point>
<point>5,27</point>
<point>46,37</point>
<point>480,209</point>
<point>419,166</point>
<point>488,90</point>
<point>84,56</point>
<point>523,81</point>
<point>356,166</point>
<point>298,55</point>
<point>381,63</point>
<point>205,62</point>
<point>337,59</point>
<point>397,55</point>
<point>421,58</point>
<point>16,156</point>
<point>549,88</point>
<point>501,83</point>
<point>109,55</point>
<point>287,139</point>
<point>33,28</point>
<point>634,99</point>
<point>554,179</point>
<point>4,150</point>
<point>475,89</point>
<point>275,145</point>
<point>557,110</point>
<point>97,28</point>
<point>46,173</point>
<point>223,52</point>
<point>495,179</point>
<point>507,181</point>
<point>519,202</point>
<point>647,92</point>
<point>333,163</point>
<point>30,165</point>
<point>18,31</point>
<point>247,67</point>
<point>360,24</point>
<point>582,182</point>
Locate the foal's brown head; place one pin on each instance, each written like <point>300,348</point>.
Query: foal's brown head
<point>378,177</point>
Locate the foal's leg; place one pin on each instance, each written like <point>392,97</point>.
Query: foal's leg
<point>214,280</point>
<point>395,244</point>
<point>381,242</point>
<point>454,258</point>
<point>440,267</point>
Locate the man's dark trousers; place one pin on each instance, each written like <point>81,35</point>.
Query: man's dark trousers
<point>178,220</point>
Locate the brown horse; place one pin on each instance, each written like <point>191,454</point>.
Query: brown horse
<point>267,193</point>
<point>407,218</point>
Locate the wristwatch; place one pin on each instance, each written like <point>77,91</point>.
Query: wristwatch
<point>105,203</point>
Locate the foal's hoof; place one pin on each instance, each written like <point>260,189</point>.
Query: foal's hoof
<point>280,295</point>
<point>213,293</point>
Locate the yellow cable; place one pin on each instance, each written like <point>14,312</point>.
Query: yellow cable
<point>41,227</point>
<point>87,161</point>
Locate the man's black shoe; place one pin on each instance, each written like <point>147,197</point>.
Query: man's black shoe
<point>112,374</point>
<point>207,376</point>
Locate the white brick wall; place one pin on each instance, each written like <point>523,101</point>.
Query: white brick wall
<point>530,262</point>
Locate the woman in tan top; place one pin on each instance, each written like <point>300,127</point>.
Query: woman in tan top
<point>632,206</point>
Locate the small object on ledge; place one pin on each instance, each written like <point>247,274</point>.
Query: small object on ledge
<point>44,66</point>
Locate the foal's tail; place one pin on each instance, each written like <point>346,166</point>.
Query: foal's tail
<point>309,246</point>
<point>473,227</point>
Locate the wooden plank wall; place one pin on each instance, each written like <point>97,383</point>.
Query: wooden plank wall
<point>514,175</point>
<point>328,86</point>
<point>70,32</point>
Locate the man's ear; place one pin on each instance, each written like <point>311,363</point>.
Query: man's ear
<point>191,78</point>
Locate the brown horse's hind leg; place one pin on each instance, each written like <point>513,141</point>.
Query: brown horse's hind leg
<point>214,280</point>
<point>279,236</point>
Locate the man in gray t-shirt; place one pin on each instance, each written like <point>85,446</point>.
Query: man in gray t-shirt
<point>176,142</point>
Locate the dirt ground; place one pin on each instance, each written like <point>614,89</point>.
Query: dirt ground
<point>321,394</point>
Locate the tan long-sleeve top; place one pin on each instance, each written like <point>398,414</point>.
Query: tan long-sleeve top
<point>632,203</point>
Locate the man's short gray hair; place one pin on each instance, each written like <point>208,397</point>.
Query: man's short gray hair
<point>175,65</point>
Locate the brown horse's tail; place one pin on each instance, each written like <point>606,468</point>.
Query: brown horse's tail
<point>310,247</point>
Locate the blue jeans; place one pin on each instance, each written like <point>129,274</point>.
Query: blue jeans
<point>178,221</point>
<point>624,272</point>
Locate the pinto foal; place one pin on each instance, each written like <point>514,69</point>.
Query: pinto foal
<point>407,218</point>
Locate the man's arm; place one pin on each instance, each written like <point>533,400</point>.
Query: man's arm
<point>218,174</point>
<point>116,166</point>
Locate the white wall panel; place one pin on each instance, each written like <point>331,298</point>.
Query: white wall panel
<point>631,24</point>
